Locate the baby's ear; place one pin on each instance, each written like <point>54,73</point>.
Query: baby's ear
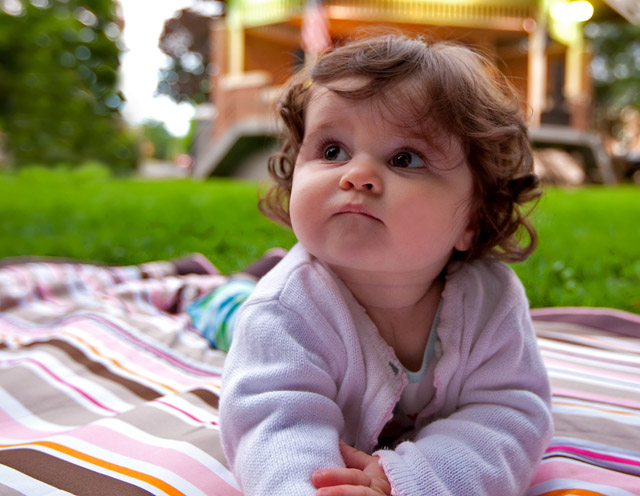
<point>465,239</point>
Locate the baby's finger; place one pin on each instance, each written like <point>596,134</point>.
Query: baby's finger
<point>340,477</point>
<point>354,458</point>
<point>346,491</point>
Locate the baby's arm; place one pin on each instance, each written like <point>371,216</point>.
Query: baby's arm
<point>278,420</point>
<point>492,441</point>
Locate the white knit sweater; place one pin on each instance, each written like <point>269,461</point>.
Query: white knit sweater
<point>307,366</point>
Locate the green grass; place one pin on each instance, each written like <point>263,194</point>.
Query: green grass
<point>589,249</point>
<point>87,216</point>
<point>589,252</point>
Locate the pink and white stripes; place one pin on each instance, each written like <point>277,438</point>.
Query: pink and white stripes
<point>105,388</point>
<point>101,388</point>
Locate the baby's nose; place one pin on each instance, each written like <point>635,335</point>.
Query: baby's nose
<point>361,173</point>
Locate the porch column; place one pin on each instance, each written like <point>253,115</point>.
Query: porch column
<point>537,68</point>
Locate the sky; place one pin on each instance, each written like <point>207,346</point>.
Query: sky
<point>144,20</point>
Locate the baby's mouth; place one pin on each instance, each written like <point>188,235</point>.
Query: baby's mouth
<point>355,209</point>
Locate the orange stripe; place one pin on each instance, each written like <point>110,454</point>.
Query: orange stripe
<point>592,407</point>
<point>117,363</point>
<point>572,492</point>
<point>149,479</point>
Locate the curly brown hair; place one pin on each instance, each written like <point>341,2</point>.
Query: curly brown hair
<point>452,86</point>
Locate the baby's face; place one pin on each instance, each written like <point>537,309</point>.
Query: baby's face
<point>371,196</point>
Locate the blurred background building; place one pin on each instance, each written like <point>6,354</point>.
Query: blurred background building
<point>539,44</point>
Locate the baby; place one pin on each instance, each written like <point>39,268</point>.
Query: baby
<point>391,351</point>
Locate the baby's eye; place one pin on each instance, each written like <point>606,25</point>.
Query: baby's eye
<point>335,153</point>
<point>407,160</point>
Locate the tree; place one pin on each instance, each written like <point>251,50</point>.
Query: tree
<point>59,102</point>
<point>186,40</point>
<point>615,68</point>
<point>165,145</point>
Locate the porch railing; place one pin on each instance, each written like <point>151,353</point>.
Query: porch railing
<point>455,12</point>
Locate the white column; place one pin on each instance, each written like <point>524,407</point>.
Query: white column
<point>537,68</point>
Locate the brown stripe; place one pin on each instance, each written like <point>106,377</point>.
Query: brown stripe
<point>614,321</point>
<point>583,390</point>
<point>99,369</point>
<point>597,430</point>
<point>207,396</point>
<point>66,476</point>
<point>43,399</point>
<point>8,302</point>
<point>161,424</point>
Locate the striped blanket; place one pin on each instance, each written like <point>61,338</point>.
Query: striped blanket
<point>593,360</point>
<point>106,388</point>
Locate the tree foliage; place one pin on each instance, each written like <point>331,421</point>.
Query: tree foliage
<point>186,41</point>
<point>616,64</point>
<point>59,102</point>
<point>165,146</point>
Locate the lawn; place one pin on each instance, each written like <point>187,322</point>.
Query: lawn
<point>89,216</point>
<point>589,252</point>
<point>589,249</point>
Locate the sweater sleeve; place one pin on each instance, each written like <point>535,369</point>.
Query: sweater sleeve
<point>279,422</point>
<point>492,438</point>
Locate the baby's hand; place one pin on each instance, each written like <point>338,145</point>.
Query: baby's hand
<point>362,477</point>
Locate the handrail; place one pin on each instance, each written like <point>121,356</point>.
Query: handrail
<point>463,12</point>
